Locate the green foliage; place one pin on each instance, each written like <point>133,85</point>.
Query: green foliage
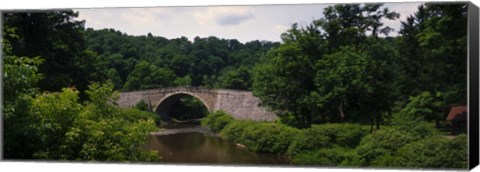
<point>64,129</point>
<point>133,114</point>
<point>54,114</point>
<point>435,38</point>
<point>417,129</point>
<point>344,83</point>
<point>113,76</point>
<point>360,19</point>
<point>327,136</point>
<point>284,79</point>
<point>20,77</point>
<point>322,157</point>
<point>260,136</point>
<point>102,97</point>
<point>412,118</point>
<point>337,68</point>
<point>421,107</point>
<point>192,63</point>
<point>183,81</point>
<point>57,37</point>
<point>216,121</point>
<point>268,137</point>
<point>146,76</point>
<point>235,129</point>
<point>238,78</point>
<point>142,105</point>
<point>383,142</point>
<point>330,68</point>
<point>188,107</point>
<point>434,152</point>
<point>117,135</point>
<point>110,140</point>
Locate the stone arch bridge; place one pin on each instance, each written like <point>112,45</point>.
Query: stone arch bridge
<point>241,104</point>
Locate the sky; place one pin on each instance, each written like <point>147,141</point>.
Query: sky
<point>244,23</point>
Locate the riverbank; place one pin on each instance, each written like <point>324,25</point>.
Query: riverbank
<point>181,128</point>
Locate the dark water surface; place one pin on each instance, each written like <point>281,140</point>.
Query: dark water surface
<point>204,147</point>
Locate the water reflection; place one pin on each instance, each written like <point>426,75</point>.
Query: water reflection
<point>199,148</point>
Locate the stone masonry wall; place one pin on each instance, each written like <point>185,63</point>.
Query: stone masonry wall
<point>241,104</point>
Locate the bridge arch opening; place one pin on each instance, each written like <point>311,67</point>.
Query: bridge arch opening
<point>182,108</point>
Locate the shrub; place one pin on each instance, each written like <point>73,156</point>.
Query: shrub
<point>261,136</point>
<point>133,114</point>
<point>216,121</point>
<point>71,131</point>
<point>327,135</point>
<point>322,157</point>
<point>415,126</point>
<point>234,131</point>
<point>142,105</point>
<point>269,137</point>
<point>54,114</point>
<point>417,129</point>
<point>383,142</point>
<point>435,152</point>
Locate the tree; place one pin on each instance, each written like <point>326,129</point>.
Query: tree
<point>347,24</point>
<point>87,69</point>
<point>238,78</point>
<point>183,81</point>
<point>434,59</point>
<point>344,84</point>
<point>20,76</point>
<point>284,80</point>
<point>54,114</point>
<point>113,76</point>
<point>310,60</point>
<point>146,76</point>
<point>56,37</point>
<point>443,42</point>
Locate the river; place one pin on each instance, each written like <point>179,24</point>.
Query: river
<point>190,144</point>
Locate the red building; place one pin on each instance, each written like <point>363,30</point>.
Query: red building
<point>458,117</point>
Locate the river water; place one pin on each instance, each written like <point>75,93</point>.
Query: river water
<point>188,144</point>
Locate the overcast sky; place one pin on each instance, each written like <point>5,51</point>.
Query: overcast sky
<point>244,23</point>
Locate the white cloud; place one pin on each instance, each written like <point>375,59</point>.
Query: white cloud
<point>245,23</point>
<point>281,28</point>
<point>224,16</point>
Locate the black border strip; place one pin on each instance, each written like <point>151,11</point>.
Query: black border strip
<point>473,52</point>
<point>1,86</point>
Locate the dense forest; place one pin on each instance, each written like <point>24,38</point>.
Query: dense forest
<point>342,68</point>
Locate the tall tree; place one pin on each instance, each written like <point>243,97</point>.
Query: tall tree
<point>147,75</point>
<point>55,36</point>
<point>435,57</point>
<point>285,78</point>
<point>310,75</point>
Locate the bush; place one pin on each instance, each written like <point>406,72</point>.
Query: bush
<point>95,131</point>
<point>417,129</point>
<point>53,116</point>
<point>142,105</point>
<point>382,143</point>
<point>269,137</point>
<point>234,131</point>
<point>322,157</point>
<point>133,114</point>
<point>261,136</point>
<point>327,135</point>
<point>435,152</point>
<point>216,121</point>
